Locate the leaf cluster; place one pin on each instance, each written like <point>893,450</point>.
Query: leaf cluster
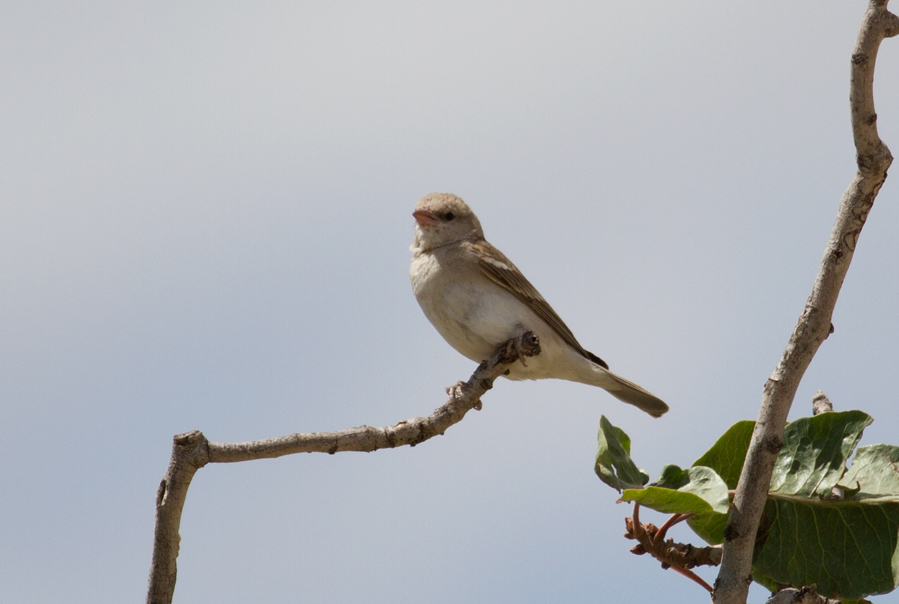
<point>824,523</point>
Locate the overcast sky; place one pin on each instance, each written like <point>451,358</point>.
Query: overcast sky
<point>205,215</point>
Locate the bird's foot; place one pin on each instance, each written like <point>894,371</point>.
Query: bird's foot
<point>520,346</point>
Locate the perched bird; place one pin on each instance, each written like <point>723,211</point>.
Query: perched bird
<point>477,299</point>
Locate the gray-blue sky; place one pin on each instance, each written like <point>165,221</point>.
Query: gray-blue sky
<point>204,223</point>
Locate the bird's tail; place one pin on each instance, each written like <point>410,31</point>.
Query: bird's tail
<point>624,390</point>
<point>632,394</point>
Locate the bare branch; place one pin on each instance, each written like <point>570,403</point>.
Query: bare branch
<point>188,455</point>
<point>806,595</point>
<point>191,451</point>
<point>821,404</point>
<point>873,159</point>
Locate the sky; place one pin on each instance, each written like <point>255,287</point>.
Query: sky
<point>205,216</point>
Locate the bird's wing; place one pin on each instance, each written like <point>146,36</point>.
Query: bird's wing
<point>500,270</point>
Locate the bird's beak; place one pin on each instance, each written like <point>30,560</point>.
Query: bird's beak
<point>425,217</point>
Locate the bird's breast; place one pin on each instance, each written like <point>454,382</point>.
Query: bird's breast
<point>476,315</point>
<point>473,314</point>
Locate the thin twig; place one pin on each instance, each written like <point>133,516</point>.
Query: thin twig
<point>638,530</point>
<point>673,520</point>
<point>680,557</point>
<point>693,577</point>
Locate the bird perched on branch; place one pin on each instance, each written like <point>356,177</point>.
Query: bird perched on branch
<point>477,299</point>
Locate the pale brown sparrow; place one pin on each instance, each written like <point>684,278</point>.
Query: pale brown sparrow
<point>477,299</point>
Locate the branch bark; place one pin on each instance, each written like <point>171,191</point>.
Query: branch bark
<point>680,557</point>
<point>191,451</point>
<point>805,595</point>
<point>873,159</point>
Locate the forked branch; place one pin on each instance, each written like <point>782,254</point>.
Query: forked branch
<point>191,451</point>
<point>679,557</point>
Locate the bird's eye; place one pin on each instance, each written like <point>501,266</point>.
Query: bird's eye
<point>449,216</point>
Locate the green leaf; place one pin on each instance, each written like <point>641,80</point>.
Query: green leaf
<point>692,491</point>
<point>847,548</point>
<point>702,482</point>
<point>727,454</point>
<point>709,526</point>
<point>667,501</point>
<point>614,465</point>
<point>697,490</point>
<point>874,471</point>
<point>814,453</point>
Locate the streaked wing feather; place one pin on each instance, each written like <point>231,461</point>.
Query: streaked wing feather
<point>501,271</point>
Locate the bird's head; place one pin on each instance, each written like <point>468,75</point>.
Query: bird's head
<point>443,218</point>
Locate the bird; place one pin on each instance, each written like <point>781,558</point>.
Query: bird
<point>478,300</point>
